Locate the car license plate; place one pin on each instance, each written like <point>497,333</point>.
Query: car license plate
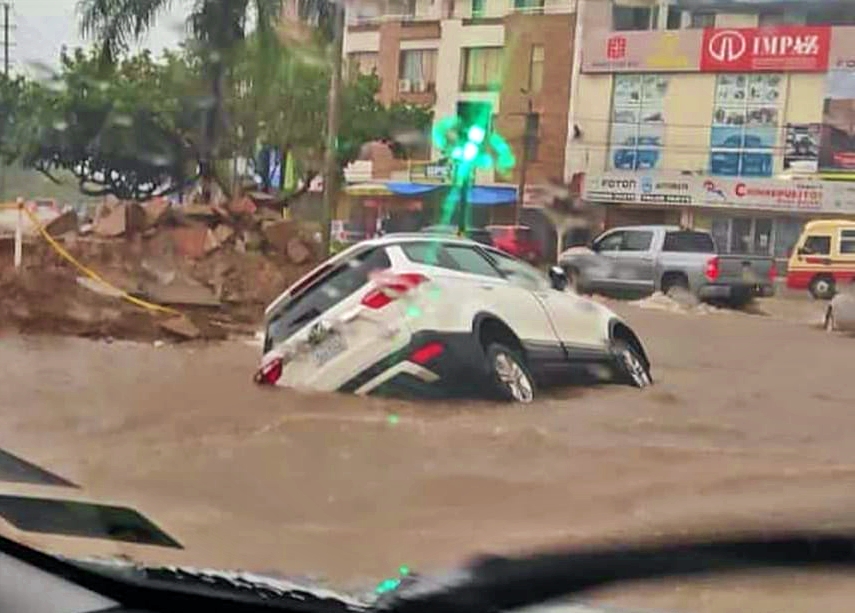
<point>748,275</point>
<point>331,346</point>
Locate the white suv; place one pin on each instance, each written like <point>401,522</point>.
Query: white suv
<point>422,315</point>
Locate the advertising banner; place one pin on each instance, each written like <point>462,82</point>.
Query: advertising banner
<point>642,51</point>
<point>638,121</point>
<point>779,49</point>
<point>801,151</point>
<point>715,192</point>
<point>768,49</point>
<point>837,146</point>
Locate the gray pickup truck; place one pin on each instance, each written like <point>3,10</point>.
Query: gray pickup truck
<point>645,259</point>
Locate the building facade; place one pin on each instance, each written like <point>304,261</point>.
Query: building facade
<point>511,53</point>
<point>737,116</point>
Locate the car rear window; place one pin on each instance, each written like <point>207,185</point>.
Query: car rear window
<point>688,242</point>
<point>322,293</point>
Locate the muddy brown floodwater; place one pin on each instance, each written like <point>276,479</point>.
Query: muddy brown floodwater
<point>751,424</point>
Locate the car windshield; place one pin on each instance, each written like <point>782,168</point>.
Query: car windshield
<point>306,289</point>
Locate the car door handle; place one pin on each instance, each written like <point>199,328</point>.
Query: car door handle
<point>489,287</point>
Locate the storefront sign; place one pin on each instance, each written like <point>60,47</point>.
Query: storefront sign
<point>778,49</point>
<point>720,192</point>
<point>640,189</point>
<point>642,51</point>
<point>770,194</point>
<point>781,49</point>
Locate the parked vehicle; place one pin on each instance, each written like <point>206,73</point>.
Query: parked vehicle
<point>407,314</point>
<point>479,235</point>
<point>646,259</point>
<point>824,258</point>
<point>519,241</point>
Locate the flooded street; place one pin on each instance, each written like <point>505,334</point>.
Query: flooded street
<point>750,424</point>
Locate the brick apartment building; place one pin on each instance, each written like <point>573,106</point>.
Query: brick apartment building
<point>443,52</point>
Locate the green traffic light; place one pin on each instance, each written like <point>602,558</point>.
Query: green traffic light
<point>476,134</point>
<point>470,152</point>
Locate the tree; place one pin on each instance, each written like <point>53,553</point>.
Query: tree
<point>218,29</point>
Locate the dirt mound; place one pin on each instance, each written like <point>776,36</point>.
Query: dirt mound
<point>222,294</point>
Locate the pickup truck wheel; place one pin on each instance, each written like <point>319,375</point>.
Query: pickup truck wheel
<point>510,377</point>
<point>629,366</point>
<point>822,288</point>
<point>674,283</point>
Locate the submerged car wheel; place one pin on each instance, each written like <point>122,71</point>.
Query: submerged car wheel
<point>509,375</point>
<point>630,366</point>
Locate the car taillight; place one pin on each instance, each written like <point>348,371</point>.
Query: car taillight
<point>773,272</point>
<point>426,353</point>
<point>269,373</point>
<point>711,269</point>
<point>391,288</point>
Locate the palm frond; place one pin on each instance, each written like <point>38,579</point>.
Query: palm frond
<point>115,24</point>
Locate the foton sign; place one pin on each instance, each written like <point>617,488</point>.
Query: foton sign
<point>791,48</point>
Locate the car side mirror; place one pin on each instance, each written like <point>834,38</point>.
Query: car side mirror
<point>802,251</point>
<point>558,278</point>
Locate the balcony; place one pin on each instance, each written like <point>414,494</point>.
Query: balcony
<point>374,12</point>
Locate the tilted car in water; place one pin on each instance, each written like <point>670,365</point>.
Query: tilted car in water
<point>410,314</point>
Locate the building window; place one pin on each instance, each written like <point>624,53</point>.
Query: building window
<point>478,8</point>
<point>745,124</point>
<point>363,62</point>
<point>417,71</point>
<point>830,16</point>
<point>638,121</point>
<point>529,6</point>
<point>699,21</point>
<point>675,18</point>
<point>482,68</point>
<point>402,8</point>
<point>634,17</point>
<point>535,69</point>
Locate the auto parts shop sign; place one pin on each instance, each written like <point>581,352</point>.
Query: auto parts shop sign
<point>792,48</point>
<point>641,189</point>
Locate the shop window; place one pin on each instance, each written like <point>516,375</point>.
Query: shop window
<point>478,8</point>
<point>757,235</point>
<point>634,17</point>
<point>847,241</point>
<point>482,68</point>
<point>745,124</point>
<point>417,71</point>
<point>638,121</point>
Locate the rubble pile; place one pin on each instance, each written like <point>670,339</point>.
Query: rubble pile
<point>217,265</point>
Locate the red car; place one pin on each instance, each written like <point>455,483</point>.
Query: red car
<point>516,240</point>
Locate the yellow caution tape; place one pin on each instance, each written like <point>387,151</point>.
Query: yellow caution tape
<point>94,275</point>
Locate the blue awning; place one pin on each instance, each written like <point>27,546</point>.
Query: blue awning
<point>411,189</point>
<point>480,195</point>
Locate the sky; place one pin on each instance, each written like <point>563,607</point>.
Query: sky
<point>42,27</point>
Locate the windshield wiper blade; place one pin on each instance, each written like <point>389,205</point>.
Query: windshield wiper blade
<point>492,584</point>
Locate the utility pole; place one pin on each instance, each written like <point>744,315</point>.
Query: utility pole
<point>331,169</point>
<point>6,39</point>
<point>529,141</point>
<point>6,28</point>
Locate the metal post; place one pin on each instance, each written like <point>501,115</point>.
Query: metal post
<point>527,136</point>
<point>331,169</point>
<point>19,235</point>
<point>6,38</point>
